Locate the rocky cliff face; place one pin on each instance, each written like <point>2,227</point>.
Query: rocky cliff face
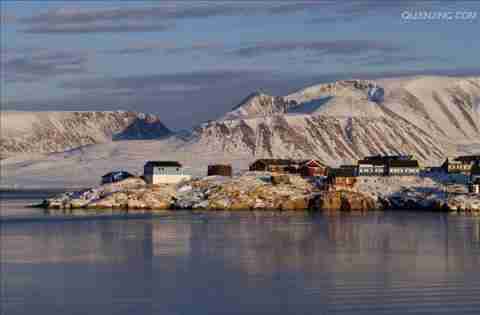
<point>43,132</point>
<point>340,122</point>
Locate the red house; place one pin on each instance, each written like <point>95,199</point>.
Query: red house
<point>310,168</point>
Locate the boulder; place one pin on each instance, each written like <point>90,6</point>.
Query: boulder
<point>280,179</point>
<point>344,201</point>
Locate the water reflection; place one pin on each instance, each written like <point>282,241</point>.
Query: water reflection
<point>280,263</point>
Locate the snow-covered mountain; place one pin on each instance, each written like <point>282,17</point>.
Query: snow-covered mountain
<point>426,116</point>
<point>429,116</point>
<point>43,132</point>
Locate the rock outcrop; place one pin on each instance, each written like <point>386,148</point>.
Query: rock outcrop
<point>247,192</point>
<point>344,201</point>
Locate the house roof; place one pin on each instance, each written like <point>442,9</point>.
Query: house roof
<point>163,164</point>
<point>468,158</point>
<point>403,163</point>
<point>117,173</point>
<point>305,162</point>
<point>372,162</point>
<point>275,161</point>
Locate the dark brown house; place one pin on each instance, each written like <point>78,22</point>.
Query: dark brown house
<point>220,170</point>
<point>311,168</point>
<point>272,165</point>
<point>342,178</point>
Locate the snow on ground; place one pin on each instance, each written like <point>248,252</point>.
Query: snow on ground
<point>84,166</point>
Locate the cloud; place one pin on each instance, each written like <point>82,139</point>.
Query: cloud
<point>95,28</point>
<point>42,64</point>
<point>386,60</point>
<point>77,15</point>
<point>167,48</point>
<point>153,18</point>
<point>165,82</point>
<point>7,19</point>
<point>335,47</point>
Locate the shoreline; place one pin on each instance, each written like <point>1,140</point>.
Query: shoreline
<point>262,192</point>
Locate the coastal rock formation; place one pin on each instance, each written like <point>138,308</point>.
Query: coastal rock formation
<point>261,191</point>
<point>344,201</point>
<point>247,192</point>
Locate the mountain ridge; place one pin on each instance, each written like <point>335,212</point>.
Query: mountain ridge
<point>56,131</point>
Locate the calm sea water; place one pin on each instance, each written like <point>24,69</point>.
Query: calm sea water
<point>237,263</point>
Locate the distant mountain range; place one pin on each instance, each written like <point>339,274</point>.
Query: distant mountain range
<point>46,132</point>
<point>429,117</point>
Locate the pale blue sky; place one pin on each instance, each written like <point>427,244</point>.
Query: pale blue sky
<point>192,61</point>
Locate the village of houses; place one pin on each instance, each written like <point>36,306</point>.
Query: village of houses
<point>461,170</point>
<point>374,182</point>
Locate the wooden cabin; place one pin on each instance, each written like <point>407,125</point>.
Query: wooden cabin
<point>115,176</point>
<point>272,165</point>
<point>312,168</point>
<point>219,170</point>
<point>164,172</point>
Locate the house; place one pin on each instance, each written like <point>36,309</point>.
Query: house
<point>164,172</point>
<point>403,168</point>
<point>273,165</point>
<point>115,176</point>
<point>460,164</point>
<point>372,167</point>
<point>219,169</point>
<point>312,168</point>
<point>342,178</point>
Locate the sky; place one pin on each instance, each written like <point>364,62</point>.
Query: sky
<point>190,62</point>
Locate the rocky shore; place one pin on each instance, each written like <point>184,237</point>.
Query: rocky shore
<point>262,191</point>
<point>251,191</point>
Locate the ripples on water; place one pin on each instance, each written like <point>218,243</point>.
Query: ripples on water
<point>239,263</point>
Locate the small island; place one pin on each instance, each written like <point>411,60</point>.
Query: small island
<point>374,183</point>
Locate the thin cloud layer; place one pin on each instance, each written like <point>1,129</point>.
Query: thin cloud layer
<point>153,18</point>
<point>334,47</point>
<point>95,28</point>
<point>42,64</point>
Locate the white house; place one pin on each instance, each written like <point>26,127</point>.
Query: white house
<point>164,172</point>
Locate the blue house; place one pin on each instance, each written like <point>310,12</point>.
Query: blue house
<point>115,176</point>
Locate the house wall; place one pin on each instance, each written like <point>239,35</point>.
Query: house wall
<point>221,170</point>
<point>164,175</point>
<point>313,171</point>
<point>166,179</point>
<point>258,166</point>
<point>403,171</point>
<point>474,189</point>
<point>459,167</point>
<point>371,170</point>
